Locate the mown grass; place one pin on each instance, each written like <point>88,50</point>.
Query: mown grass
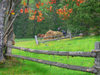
<point>24,67</point>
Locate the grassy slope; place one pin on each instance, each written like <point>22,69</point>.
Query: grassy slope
<point>33,68</point>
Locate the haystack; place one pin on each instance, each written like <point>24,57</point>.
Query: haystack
<point>41,35</point>
<point>53,35</point>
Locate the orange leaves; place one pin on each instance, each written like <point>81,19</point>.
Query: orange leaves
<point>70,10</point>
<point>78,2</point>
<point>39,17</point>
<point>12,12</point>
<point>21,10</point>
<point>42,4</point>
<point>53,1</point>
<point>60,11</point>
<point>67,5</point>
<point>50,8</point>
<point>64,12</point>
<point>81,1</point>
<point>24,3</point>
<point>35,12</point>
<point>32,17</point>
<point>40,13</point>
<point>26,10</point>
<point>39,4</point>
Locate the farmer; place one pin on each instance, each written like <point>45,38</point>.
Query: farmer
<point>64,33</point>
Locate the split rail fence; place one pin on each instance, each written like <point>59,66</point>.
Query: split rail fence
<point>6,21</point>
<point>94,54</point>
<point>50,38</point>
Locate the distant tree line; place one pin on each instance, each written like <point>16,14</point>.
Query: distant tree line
<point>84,19</point>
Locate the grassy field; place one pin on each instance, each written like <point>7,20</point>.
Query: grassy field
<point>24,67</point>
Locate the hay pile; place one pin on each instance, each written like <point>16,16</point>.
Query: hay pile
<point>53,35</point>
<point>41,35</point>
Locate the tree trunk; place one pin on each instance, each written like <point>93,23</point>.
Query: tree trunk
<point>3,5</point>
<point>6,21</point>
<point>35,21</point>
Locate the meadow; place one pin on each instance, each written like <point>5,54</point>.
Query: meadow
<point>24,67</point>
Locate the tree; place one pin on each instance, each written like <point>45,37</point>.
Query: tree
<point>74,15</point>
<point>6,20</point>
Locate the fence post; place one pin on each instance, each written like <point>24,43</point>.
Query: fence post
<point>36,40</point>
<point>70,35</point>
<point>9,50</point>
<point>10,42</point>
<point>97,59</point>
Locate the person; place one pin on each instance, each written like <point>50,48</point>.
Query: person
<point>64,33</point>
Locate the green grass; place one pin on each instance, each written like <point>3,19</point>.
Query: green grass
<point>24,67</point>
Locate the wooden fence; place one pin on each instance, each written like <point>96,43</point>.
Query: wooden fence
<point>94,54</point>
<point>6,21</point>
<point>45,39</point>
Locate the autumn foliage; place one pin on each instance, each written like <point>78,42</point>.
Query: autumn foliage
<point>64,12</point>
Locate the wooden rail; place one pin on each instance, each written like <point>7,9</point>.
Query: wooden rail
<point>95,53</point>
<point>52,39</point>
<point>43,41</point>
<point>58,37</point>
<point>67,66</point>
<point>60,53</point>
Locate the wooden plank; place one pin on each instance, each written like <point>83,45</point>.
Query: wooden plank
<point>96,50</point>
<point>60,53</point>
<point>52,40</point>
<point>97,59</point>
<point>66,66</point>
